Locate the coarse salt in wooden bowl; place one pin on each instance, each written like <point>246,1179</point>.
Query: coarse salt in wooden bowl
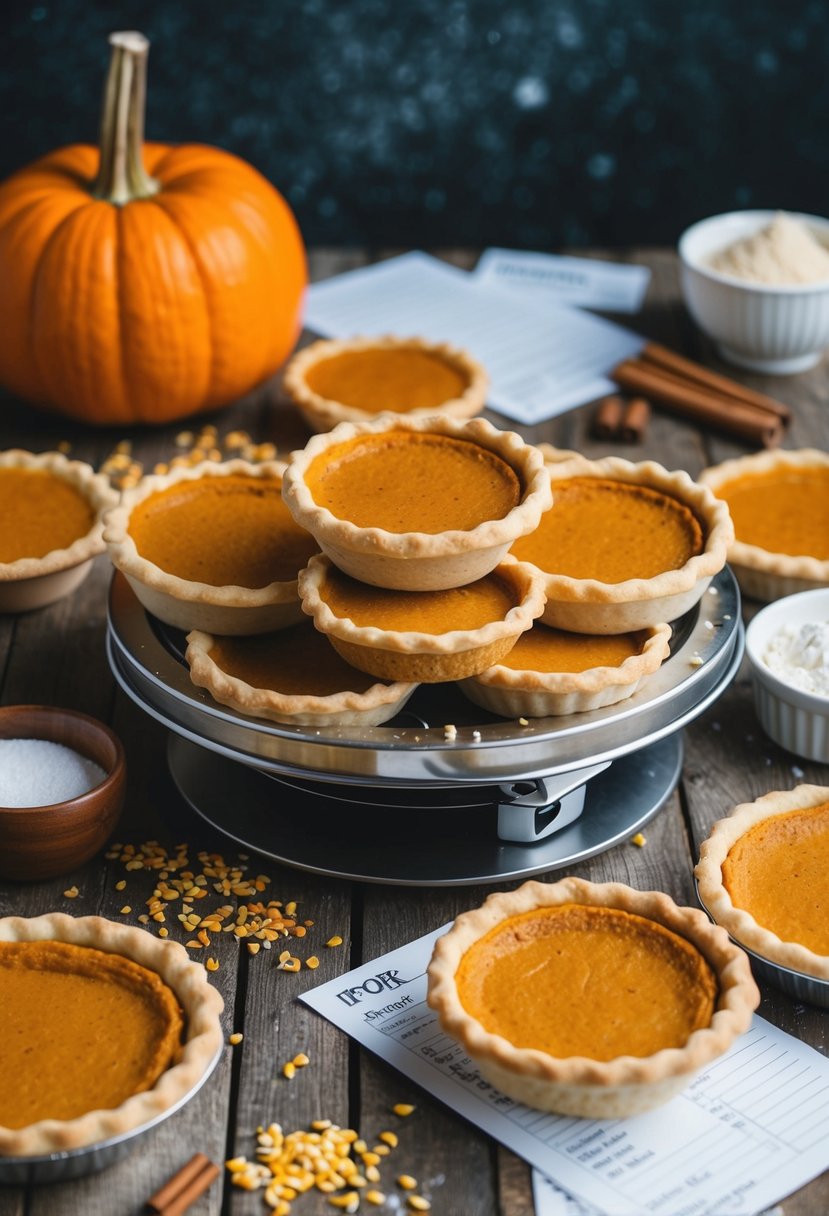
<point>53,837</point>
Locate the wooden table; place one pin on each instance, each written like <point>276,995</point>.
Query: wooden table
<point>56,656</point>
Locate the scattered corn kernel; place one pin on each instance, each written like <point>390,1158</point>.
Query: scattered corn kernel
<point>212,964</point>
<point>639,840</point>
<point>289,1070</point>
<point>235,1038</point>
<point>334,941</point>
<point>119,886</point>
<point>407,1182</point>
<point>125,911</point>
<point>403,1109</point>
<point>375,1197</point>
<point>72,893</point>
<point>301,1060</point>
<point>418,1204</point>
<point>388,1138</point>
<point>312,962</point>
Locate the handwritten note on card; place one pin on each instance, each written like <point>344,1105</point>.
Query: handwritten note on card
<point>747,1131</point>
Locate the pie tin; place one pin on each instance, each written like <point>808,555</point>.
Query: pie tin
<point>808,989</point>
<point>75,1163</point>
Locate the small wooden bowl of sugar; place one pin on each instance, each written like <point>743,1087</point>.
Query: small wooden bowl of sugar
<point>62,780</point>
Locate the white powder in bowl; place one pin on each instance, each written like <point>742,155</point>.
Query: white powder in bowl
<point>37,772</point>
<point>784,252</point>
<point>799,655</point>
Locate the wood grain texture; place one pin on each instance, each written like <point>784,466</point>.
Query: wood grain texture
<point>56,656</point>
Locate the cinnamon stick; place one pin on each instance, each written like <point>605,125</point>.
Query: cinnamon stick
<point>698,404</point>
<point>608,418</point>
<point>687,369</point>
<point>185,1187</point>
<point>635,420</point>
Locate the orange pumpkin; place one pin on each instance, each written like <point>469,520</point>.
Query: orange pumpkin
<point>143,283</point>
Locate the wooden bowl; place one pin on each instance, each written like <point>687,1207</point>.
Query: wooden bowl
<point>39,842</point>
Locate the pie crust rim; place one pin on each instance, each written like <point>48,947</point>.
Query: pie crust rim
<point>512,692</point>
<point>592,606</point>
<point>185,603</point>
<point>713,894</point>
<point>370,708</point>
<point>323,413</point>
<point>202,1005</point>
<point>370,553</point>
<point>738,994</point>
<point>763,573</point>
<point>94,487</point>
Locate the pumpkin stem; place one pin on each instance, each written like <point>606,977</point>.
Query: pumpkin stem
<point>121,174</point>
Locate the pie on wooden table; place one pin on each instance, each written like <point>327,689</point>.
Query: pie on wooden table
<point>354,379</point>
<point>417,504</point>
<point>626,545</point>
<point>212,547</point>
<point>51,510</point>
<point>550,672</point>
<point>762,875</point>
<point>422,636</point>
<point>103,1027</point>
<point>294,675</point>
<point>779,503</point>
<point>587,999</point>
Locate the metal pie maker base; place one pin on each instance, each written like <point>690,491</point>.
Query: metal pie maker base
<point>428,837</point>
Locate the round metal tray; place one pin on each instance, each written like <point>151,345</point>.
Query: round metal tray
<point>428,844</point>
<point>707,645</point>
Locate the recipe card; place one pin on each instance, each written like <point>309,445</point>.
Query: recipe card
<point>584,282</point>
<point>748,1130</point>
<point>542,358</point>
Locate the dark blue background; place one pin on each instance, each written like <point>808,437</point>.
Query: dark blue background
<point>458,122</point>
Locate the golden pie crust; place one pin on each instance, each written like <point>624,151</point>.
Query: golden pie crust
<point>660,501</point>
<point>779,504</point>
<point>224,521</point>
<point>550,672</point>
<point>355,379</point>
<point>52,510</point>
<point>422,636</point>
<point>200,1004</point>
<point>579,1084</point>
<point>416,488</point>
<point>293,676</point>
<point>772,853</point>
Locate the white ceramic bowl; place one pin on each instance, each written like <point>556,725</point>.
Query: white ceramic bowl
<point>765,328</point>
<point>796,719</point>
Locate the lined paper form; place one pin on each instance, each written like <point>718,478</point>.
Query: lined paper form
<point>542,358</point>
<point>585,282</point>
<point>747,1131</point>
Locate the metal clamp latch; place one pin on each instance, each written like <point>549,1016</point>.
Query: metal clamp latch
<point>532,809</point>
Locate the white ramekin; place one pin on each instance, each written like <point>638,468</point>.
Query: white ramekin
<point>796,719</point>
<point>777,329</point>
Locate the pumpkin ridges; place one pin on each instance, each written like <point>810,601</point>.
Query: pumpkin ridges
<point>22,237</point>
<point>161,290</point>
<point>74,304</point>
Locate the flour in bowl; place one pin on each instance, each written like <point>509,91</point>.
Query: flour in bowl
<point>783,252</point>
<point>799,655</point>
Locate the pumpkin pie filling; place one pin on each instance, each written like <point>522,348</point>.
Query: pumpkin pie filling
<point>411,481</point>
<point>551,650</point>
<point>611,531</point>
<point>580,980</point>
<point>390,378</point>
<point>433,612</point>
<point>783,509</point>
<point>223,531</point>
<point>40,512</point>
<point>776,871</point>
<point>296,661</point>
<point>80,1030</point>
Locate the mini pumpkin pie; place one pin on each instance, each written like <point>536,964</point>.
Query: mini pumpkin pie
<point>294,676</point>
<point>103,1028</point>
<point>51,510</point>
<point>779,503</point>
<point>356,379</point>
<point>552,672</point>
<point>626,545</point>
<point>417,504</point>
<point>212,547</point>
<point>422,636</point>
<point>586,999</point>
<point>763,874</point>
